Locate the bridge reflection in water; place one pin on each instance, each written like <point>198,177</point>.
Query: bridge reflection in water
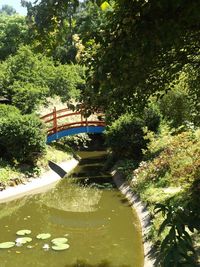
<point>65,122</point>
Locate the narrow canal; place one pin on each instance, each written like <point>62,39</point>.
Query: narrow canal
<point>101,228</point>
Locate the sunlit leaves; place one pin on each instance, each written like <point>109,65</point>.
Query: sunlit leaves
<point>105,5</point>
<point>13,33</point>
<point>28,78</point>
<point>144,46</point>
<point>177,238</point>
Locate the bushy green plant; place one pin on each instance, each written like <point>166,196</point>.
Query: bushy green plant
<point>152,117</point>
<point>125,137</point>
<point>170,176</point>
<point>22,138</point>
<point>68,81</point>
<point>27,96</point>
<point>27,78</point>
<point>176,248</point>
<point>13,33</point>
<point>174,159</point>
<point>8,110</point>
<point>177,105</point>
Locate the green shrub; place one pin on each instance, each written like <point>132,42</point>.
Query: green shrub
<point>8,110</point>
<point>170,176</point>
<point>68,81</point>
<point>172,160</point>
<point>152,118</point>
<point>177,248</point>
<point>27,96</point>
<point>125,137</point>
<point>22,138</point>
<point>177,106</point>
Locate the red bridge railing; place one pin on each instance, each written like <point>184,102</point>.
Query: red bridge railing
<point>62,119</point>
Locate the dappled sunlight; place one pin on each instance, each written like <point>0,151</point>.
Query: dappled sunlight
<point>71,197</point>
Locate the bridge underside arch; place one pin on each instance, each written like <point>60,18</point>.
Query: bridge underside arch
<point>75,130</point>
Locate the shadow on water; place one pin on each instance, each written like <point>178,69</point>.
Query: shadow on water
<point>101,264</point>
<point>90,171</point>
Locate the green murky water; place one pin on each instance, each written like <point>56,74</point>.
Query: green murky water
<point>103,229</point>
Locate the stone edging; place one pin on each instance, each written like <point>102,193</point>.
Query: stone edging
<point>141,212</point>
<point>37,185</point>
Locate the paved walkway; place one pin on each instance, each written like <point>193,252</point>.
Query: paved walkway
<point>37,185</point>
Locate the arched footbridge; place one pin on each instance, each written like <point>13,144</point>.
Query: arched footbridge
<point>65,122</point>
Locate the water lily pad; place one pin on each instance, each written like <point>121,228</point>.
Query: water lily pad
<point>43,236</point>
<point>7,245</point>
<point>59,240</point>
<point>60,246</point>
<point>23,240</point>
<point>23,232</point>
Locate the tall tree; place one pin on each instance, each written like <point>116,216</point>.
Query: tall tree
<point>144,45</point>
<point>54,24</point>
<point>51,23</point>
<point>8,10</point>
<point>27,78</point>
<point>13,33</point>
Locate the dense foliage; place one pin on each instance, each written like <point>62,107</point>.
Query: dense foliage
<point>22,137</point>
<point>26,79</point>
<point>8,10</point>
<point>169,175</point>
<point>180,105</point>
<point>144,46</point>
<point>135,54</point>
<point>52,25</point>
<point>7,110</point>
<point>13,33</point>
<point>125,137</point>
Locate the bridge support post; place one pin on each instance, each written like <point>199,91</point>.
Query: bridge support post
<point>86,119</point>
<point>55,126</point>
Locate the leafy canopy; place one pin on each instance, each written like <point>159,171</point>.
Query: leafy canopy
<point>144,46</point>
<point>13,33</point>
<point>8,10</point>
<point>27,78</point>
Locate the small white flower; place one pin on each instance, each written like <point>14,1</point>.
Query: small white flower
<point>18,242</point>
<point>46,247</point>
